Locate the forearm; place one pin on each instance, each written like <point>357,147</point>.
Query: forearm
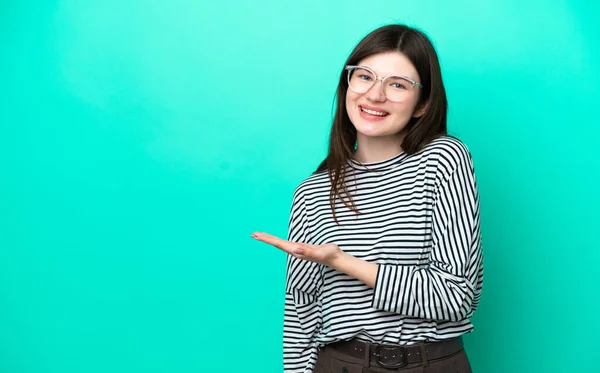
<point>426,293</point>
<point>355,267</point>
<point>450,298</point>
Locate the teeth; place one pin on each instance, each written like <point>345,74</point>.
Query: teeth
<point>373,112</point>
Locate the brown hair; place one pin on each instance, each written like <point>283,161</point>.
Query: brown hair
<point>417,47</point>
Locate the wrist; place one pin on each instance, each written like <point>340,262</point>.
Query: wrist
<point>340,261</point>
<point>355,267</point>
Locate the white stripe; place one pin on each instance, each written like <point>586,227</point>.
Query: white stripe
<point>420,222</point>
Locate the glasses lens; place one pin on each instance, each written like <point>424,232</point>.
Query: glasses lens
<point>396,88</point>
<point>360,79</point>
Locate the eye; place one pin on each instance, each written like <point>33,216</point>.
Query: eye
<point>397,85</point>
<point>365,77</point>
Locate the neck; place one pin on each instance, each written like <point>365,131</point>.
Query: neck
<point>376,149</point>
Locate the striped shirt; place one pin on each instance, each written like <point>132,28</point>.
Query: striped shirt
<point>419,220</point>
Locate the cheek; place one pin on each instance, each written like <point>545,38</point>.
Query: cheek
<point>350,102</point>
<point>414,104</point>
<point>405,108</point>
<point>350,98</point>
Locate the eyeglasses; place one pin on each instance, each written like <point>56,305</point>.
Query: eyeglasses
<point>396,88</point>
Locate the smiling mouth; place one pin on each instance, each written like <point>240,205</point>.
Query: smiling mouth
<point>374,112</point>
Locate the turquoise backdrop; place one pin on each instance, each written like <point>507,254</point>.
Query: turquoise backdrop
<point>142,142</point>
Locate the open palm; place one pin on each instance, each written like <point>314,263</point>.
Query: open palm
<point>323,254</point>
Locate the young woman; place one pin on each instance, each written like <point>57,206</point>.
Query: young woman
<point>385,267</point>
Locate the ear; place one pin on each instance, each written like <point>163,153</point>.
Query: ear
<point>421,109</point>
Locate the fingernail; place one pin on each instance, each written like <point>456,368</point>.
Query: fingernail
<point>298,251</point>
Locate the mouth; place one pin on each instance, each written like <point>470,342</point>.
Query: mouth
<point>376,113</point>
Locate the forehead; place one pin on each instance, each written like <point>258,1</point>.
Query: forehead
<point>390,63</point>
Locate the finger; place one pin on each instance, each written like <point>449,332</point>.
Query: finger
<point>284,245</point>
<point>265,237</point>
<point>297,249</point>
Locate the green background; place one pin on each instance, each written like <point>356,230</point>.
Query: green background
<point>142,142</point>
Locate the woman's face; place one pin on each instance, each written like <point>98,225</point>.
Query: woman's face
<point>372,113</point>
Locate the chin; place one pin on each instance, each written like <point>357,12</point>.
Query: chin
<point>367,133</point>
<point>375,129</point>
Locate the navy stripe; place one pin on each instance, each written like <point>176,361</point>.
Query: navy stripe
<point>420,222</point>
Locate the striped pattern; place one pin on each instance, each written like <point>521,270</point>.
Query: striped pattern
<point>420,222</point>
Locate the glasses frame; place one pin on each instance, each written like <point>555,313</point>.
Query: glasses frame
<point>349,68</point>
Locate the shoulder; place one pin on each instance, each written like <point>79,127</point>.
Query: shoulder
<point>448,146</point>
<point>315,183</point>
<point>449,151</point>
<point>449,156</point>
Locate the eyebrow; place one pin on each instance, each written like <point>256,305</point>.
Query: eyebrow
<point>385,76</point>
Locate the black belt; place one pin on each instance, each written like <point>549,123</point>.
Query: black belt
<point>393,357</point>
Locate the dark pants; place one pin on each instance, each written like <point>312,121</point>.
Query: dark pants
<point>331,360</point>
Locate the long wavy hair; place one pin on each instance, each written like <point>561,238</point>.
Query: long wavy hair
<point>417,47</point>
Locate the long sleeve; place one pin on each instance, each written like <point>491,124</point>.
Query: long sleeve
<point>302,315</point>
<point>448,287</point>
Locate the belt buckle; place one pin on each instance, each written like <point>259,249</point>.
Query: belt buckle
<point>402,358</point>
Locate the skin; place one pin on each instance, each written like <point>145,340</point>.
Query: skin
<point>382,139</point>
<point>378,139</point>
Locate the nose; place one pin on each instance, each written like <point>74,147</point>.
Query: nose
<point>375,93</point>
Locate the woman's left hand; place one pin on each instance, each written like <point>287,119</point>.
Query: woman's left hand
<point>323,254</point>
